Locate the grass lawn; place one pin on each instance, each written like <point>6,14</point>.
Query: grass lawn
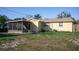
<point>43,41</point>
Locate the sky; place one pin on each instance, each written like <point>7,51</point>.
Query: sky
<point>45,12</point>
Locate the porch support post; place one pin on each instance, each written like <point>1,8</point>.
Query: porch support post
<point>22,26</point>
<point>12,25</point>
<point>17,26</point>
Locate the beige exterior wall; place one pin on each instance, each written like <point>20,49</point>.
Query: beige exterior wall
<point>67,26</point>
<point>41,25</point>
<point>35,25</point>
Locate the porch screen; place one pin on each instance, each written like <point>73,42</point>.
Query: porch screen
<point>15,26</point>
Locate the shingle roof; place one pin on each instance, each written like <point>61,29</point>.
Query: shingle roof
<point>59,20</point>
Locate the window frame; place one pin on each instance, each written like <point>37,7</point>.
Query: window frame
<point>61,24</point>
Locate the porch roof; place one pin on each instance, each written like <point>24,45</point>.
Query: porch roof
<point>17,21</point>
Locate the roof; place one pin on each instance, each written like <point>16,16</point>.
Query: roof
<point>36,20</point>
<point>23,20</point>
<point>16,21</point>
<point>59,20</point>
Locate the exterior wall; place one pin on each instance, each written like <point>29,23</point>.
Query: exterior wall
<point>40,24</point>
<point>34,26</point>
<point>67,26</point>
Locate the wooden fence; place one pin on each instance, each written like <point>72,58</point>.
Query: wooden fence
<point>76,28</point>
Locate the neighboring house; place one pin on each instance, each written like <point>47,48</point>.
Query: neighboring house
<point>59,24</point>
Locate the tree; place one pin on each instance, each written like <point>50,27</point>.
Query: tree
<point>17,18</point>
<point>64,15</point>
<point>20,18</point>
<point>37,16</point>
<point>24,18</point>
<point>77,21</point>
<point>3,19</point>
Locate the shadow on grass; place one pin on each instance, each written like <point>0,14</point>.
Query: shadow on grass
<point>7,35</point>
<point>7,38</point>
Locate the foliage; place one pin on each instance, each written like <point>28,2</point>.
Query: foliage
<point>20,18</point>
<point>64,15</point>
<point>77,21</point>
<point>3,19</point>
<point>37,16</point>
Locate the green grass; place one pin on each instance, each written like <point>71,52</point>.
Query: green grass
<point>6,38</point>
<point>43,41</point>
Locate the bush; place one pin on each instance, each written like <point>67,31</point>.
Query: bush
<point>55,30</point>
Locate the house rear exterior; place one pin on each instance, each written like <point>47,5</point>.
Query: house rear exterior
<point>59,24</point>
<point>35,25</point>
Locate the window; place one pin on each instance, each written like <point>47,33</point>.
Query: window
<point>45,25</point>
<point>60,24</point>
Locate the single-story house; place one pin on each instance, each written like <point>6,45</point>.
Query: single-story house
<point>35,25</point>
<point>59,24</point>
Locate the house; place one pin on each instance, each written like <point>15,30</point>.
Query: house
<point>59,24</point>
<point>20,26</point>
<point>35,25</point>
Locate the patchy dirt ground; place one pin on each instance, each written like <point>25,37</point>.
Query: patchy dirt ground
<point>47,41</point>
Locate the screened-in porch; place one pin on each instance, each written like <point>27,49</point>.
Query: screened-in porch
<point>18,26</point>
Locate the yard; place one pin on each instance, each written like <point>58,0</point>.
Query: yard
<point>43,41</point>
